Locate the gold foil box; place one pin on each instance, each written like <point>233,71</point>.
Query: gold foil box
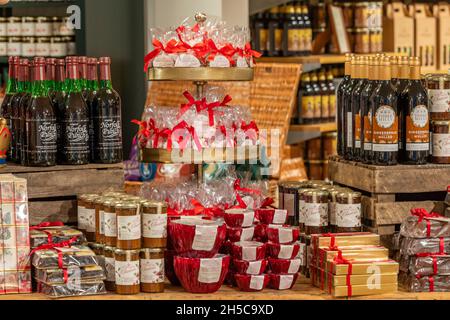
<point>364,290</point>
<point>345,239</point>
<point>357,253</point>
<point>363,267</point>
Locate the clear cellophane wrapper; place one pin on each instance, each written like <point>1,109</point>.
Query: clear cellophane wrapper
<point>79,256</point>
<point>426,228</point>
<point>239,218</point>
<point>413,246</point>
<point>248,250</point>
<point>72,290</point>
<point>54,276</point>
<point>430,265</point>
<point>39,237</point>
<point>437,283</point>
<point>199,275</point>
<point>282,234</point>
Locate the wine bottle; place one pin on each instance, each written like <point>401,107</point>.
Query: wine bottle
<point>414,104</point>
<point>395,70</point>
<point>331,96</point>
<point>11,90</point>
<point>276,32</point>
<point>308,30</point>
<point>385,118</point>
<point>325,103</point>
<point>40,121</point>
<point>58,99</point>
<point>107,110</point>
<point>50,70</point>
<point>291,32</point>
<point>340,105</point>
<point>23,86</point>
<point>92,90</point>
<point>75,119</point>
<point>306,100</point>
<point>23,106</point>
<point>348,118</point>
<point>82,62</point>
<point>317,97</point>
<point>404,73</point>
<point>362,77</point>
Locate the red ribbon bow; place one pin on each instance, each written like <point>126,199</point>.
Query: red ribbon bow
<point>144,130</point>
<point>210,108</point>
<point>229,138</point>
<point>251,130</point>
<point>50,246</point>
<point>423,214</point>
<point>191,102</point>
<point>339,259</point>
<point>248,52</point>
<point>211,212</point>
<point>238,188</point>
<point>44,225</point>
<point>227,51</point>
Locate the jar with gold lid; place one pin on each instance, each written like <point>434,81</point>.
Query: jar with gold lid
<point>348,212</point>
<point>152,270</point>
<point>58,47</point>
<point>3,27</point>
<point>361,38</point>
<point>110,273</point>
<point>44,27</point>
<point>3,46</point>
<point>43,46</point>
<point>14,47</point>
<point>98,205</point>
<point>89,217</point>
<point>316,211</point>
<point>127,271</point>
<point>128,226</point>
<point>154,225</point>
<point>14,27</point>
<point>110,222</point>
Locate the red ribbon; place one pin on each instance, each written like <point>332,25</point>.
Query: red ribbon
<point>227,51</point>
<point>191,102</point>
<point>211,212</point>
<point>339,259</point>
<point>159,133</point>
<point>431,281</point>
<point>251,130</point>
<point>248,52</point>
<point>210,108</point>
<point>267,203</point>
<point>44,225</point>
<point>50,246</point>
<point>229,139</point>
<point>171,47</point>
<point>144,131</point>
<point>423,214</point>
<point>238,188</point>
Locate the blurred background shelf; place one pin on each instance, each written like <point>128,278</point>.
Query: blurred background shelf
<point>302,132</point>
<point>28,4</point>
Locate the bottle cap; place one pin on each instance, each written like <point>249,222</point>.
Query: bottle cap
<point>105,60</point>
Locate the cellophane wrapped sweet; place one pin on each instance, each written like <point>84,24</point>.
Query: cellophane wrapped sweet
<point>251,283</point>
<point>59,276</point>
<point>249,267</point>
<point>282,281</point>
<point>437,283</point>
<point>236,218</point>
<point>41,236</point>
<point>70,290</point>
<point>271,216</point>
<point>240,234</point>
<point>414,246</point>
<point>197,238</point>
<point>75,256</point>
<point>201,275</point>
<point>430,265</point>
<point>436,227</point>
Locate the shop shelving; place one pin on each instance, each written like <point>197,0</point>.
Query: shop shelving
<point>303,132</point>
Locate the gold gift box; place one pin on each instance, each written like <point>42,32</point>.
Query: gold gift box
<point>363,290</point>
<point>361,279</point>
<point>363,267</point>
<point>357,253</point>
<point>345,239</point>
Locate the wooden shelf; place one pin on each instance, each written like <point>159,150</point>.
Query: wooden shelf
<point>30,4</point>
<point>317,127</point>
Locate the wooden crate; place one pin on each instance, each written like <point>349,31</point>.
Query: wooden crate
<point>390,192</point>
<point>52,191</point>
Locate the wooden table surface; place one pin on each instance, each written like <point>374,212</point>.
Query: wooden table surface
<point>301,291</point>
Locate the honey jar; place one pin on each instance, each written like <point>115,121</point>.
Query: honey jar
<point>110,222</point>
<point>89,214</point>
<point>440,150</point>
<point>348,212</point>
<point>127,271</point>
<point>110,273</point>
<point>316,211</point>
<point>152,270</point>
<point>438,96</point>
<point>154,225</point>
<point>128,226</point>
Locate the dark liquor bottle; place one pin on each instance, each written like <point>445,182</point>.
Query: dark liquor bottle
<point>276,32</point>
<point>23,106</point>
<point>291,32</point>
<point>362,76</point>
<point>23,87</point>
<point>340,105</point>
<point>82,62</point>
<point>93,88</point>
<point>50,69</point>
<point>58,98</point>
<point>367,111</point>
<point>11,90</point>
<point>307,30</point>
<point>317,97</point>
<point>261,33</point>
<point>348,115</point>
<point>306,100</point>
<point>403,81</point>
<point>395,70</point>
<point>331,96</point>
<point>40,121</point>
<point>301,24</point>
<point>75,119</point>
<point>107,110</point>
<point>325,97</point>
<point>385,118</point>
<point>414,104</point>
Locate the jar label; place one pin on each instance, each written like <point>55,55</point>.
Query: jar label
<point>317,107</point>
<point>129,227</point>
<point>417,129</point>
<point>293,38</point>
<point>279,216</point>
<point>278,35</point>
<point>285,281</point>
<point>285,252</point>
<point>101,222</point>
<point>81,217</point>
<point>249,253</point>
<point>316,214</point>
<point>254,267</point>
<point>348,215</point>
<point>441,145</point>
<point>301,211</point>
<point>439,100</point>
<point>90,220</point>
<point>110,269</point>
<point>152,270</point>
<point>247,234</point>
<point>357,131</point>
<point>349,129</point>
<point>385,130</point>
<point>289,205</point>
<point>285,235</point>
<point>127,273</point>
<point>110,224</point>
<point>210,270</point>
<point>332,213</point>
<point>248,219</point>
<point>256,282</point>
<point>307,107</point>
<point>154,226</point>
<point>205,237</point>
<point>294,266</point>
<point>325,106</point>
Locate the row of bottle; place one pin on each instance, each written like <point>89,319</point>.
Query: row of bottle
<point>59,113</point>
<point>283,31</point>
<point>383,115</point>
<point>317,98</point>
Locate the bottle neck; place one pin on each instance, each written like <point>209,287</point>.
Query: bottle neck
<point>404,72</point>
<point>11,86</point>
<point>415,73</point>
<point>385,73</point>
<point>74,83</point>
<point>60,79</point>
<point>348,68</point>
<point>92,82</point>
<point>105,76</point>
<point>39,83</point>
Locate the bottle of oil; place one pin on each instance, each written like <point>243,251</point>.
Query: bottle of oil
<point>367,112</point>
<point>385,118</point>
<point>261,33</point>
<point>308,29</point>
<point>413,103</point>
<point>292,32</point>
<point>325,97</point>
<point>276,32</point>
<point>348,115</point>
<point>403,81</point>
<point>307,100</point>
<point>395,70</point>
<point>301,24</point>
<point>331,96</point>
<point>317,97</point>
<point>340,110</point>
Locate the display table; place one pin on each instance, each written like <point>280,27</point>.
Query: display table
<point>303,290</point>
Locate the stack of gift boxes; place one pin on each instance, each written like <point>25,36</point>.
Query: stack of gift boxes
<point>15,274</point>
<point>352,264</point>
<point>424,244</point>
<point>62,265</point>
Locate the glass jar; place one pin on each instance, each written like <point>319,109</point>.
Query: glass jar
<point>89,214</point>
<point>43,46</point>
<point>28,47</point>
<point>65,30</point>
<point>375,11</point>
<point>127,271</point>
<point>348,212</point>
<point>332,201</point>
<point>3,27</point>
<point>128,226</point>
<point>362,15</point>
<point>301,208</point>
<point>291,202</point>
<point>152,270</point>
<point>56,26</point>
<point>14,27</point>
<point>44,27</point>
<point>29,26</point>
<point>58,47</point>
<point>14,47</point>
<point>440,142</point>
<point>376,40</point>
<point>438,86</point>
<point>98,205</point>
<point>281,195</point>
<point>110,222</point>
<point>351,38</point>
<point>316,212</point>
<point>362,40</point>
<point>110,273</point>
<point>81,216</point>
<point>154,225</point>
<point>99,250</point>
<point>3,46</point>
<point>71,45</point>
